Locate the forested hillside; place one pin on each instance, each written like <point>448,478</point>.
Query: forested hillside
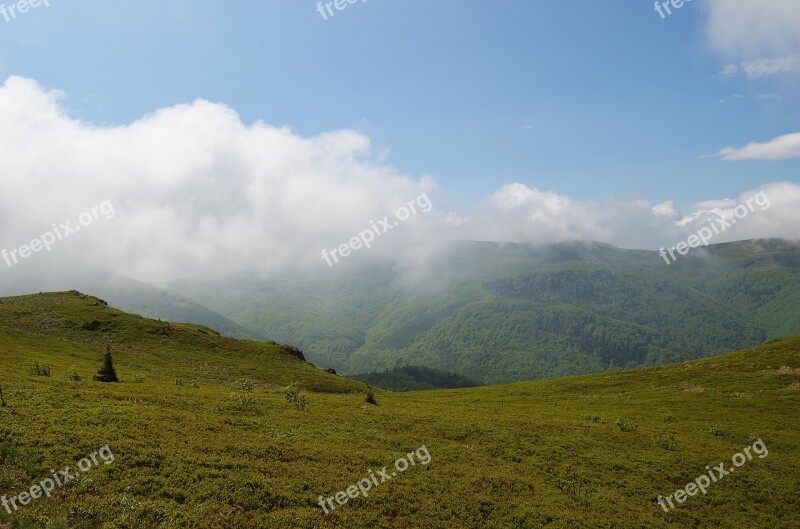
<point>506,312</point>
<point>415,378</point>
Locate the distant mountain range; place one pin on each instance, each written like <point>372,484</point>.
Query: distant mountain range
<point>508,312</point>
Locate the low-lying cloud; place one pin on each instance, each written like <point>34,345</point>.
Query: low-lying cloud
<point>198,192</point>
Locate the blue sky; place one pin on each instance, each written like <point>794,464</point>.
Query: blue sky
<point>587,99</point>
<point>248,136</point>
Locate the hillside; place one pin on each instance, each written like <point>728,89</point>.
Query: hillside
<point>140,298</point>
<point>121,292</point>
<point>79,327</point>
<point>507,312</point>
<point>582,452</point>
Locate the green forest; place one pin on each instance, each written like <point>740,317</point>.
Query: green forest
<point>506,312</point>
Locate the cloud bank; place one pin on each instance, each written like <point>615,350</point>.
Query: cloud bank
<point>198,192</point>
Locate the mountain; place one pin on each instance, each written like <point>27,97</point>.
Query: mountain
<point>215,452</point>
<point>415,378</point>
<point>509,312</point>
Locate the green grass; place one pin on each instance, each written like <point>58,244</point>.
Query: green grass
<point>545,454</point>
<point>72,330</point>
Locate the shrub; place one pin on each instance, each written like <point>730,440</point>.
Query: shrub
<point>716,430</point>
<point>574,488</point>
<point>371,396</point>
<point>668,418</point>
<point>295,395</point>
<point>244,385</point>
<point>139,379</point>
<point>626,426</point>
<point>280,434</point>
<point>73,376</point>
<point>42,370</point>
<point>595,418</point>
<point>667,442</point>
<point>2,399</point>
<point>244,401</point>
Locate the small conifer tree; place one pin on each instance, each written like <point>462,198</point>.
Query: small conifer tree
<point>107,373</point>
<point>371,396</point>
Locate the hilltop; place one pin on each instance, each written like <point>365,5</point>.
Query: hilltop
<point>71,330</point>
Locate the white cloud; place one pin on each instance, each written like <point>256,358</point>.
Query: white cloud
<point>780,148</point>
<point>716,204</point>
<point>518,213</point>
<point>773,212</point>
<point>728,72</point>
<point>759,68</point>
<point>453,219</point>
<point>665,209</point>
<point>762,37</point>
<point>196,191</point>
<point>754,28</point>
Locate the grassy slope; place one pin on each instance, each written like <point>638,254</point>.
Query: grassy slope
<point>503,456</point>
<point>56,323</point>
<point>134,296</point>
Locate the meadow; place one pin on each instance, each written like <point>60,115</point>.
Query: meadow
<point>203,436</point>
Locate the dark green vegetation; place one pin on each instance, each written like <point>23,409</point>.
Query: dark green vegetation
<point>415,378</point>
<point>106,373</point>
<point>500,313</point>
<point>229,451</point>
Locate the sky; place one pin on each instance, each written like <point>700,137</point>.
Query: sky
<point>218,127</point>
